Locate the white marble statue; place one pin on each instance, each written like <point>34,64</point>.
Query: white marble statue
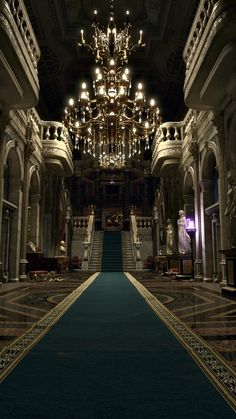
<point>170,238</point>
<point>184,240</point>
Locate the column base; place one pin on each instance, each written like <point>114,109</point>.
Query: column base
<point>23,278</point>
<point>13,280</point>
<point>198,278</point>
<point>207,279</point>
<point>223,283</point>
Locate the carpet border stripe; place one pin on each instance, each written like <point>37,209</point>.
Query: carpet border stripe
<point>17,350</point>
<point>222,376</point>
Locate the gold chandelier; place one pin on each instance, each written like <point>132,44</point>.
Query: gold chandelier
<point>111,126</point>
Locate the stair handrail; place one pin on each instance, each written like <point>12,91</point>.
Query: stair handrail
<point>136,243</point>
<point>88,242</point>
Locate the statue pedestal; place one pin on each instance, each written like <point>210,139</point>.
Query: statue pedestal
<point>230,257</point>
<point>62,263</point>
<point>181,264</point>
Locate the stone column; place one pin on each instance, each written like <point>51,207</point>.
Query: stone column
<point>4,120</point>
<point>48,217</point>
<point>69,232</point>
<point>156,231</point>
<point>207,253</point>
<point>219,124</point>
<point>5,245</point>
<point>24,221</point>
<point>215,245</point>
<point>35,218</point>
<point>16,225</point>
<point>199,230</point>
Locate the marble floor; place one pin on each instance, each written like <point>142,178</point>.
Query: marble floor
<point>23,304</point>
<point>201,306</point>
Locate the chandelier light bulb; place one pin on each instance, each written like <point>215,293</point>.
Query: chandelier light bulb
<point>152,103</point>
<point>84,85</point>
<point>140,37</point>
<point>71,102</point>
<point>112,62</point>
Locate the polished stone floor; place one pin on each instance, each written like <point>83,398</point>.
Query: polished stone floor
<point>199,305</point>
<point>23,304</point>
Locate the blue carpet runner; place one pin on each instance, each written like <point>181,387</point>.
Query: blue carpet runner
<point>112,260</point>
<point>110,356</point>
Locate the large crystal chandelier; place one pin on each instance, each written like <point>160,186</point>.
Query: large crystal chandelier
<point>111,126</point>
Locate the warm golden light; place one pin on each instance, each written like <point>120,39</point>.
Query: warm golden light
<point>112,127</point>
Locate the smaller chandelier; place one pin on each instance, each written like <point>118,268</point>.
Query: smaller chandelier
<point>111,126</point>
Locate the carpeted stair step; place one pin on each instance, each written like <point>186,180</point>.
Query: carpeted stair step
<point>112,260</point>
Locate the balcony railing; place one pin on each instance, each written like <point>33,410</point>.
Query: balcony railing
<point>209,54</point>
<point>24,26</point>
<point>166,147</point>
<point>20,54</point>
<point>57,148</point>
<point>196,34</point>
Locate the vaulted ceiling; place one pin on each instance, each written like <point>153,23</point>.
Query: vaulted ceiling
<point>63,65</point>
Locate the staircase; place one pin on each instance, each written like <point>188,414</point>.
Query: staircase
<point>96,253</point>
<point>128,257</point>
<point>112,252</point>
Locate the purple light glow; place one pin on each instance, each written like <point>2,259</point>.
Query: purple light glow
<point>190,224</point>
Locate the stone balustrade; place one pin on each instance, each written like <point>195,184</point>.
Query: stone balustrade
<point>199,24</point>
<point>166,147</point>
<point>209,54</point>
<point>22,21</point>
<point>57,148</point>
<point>80,222</point>
<point>143,222</point>
<point>20,55</point>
